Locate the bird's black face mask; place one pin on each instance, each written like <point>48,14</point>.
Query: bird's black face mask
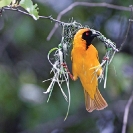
<point>88,36</point>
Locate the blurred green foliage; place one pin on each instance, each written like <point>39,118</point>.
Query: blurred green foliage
<point>4,2</point>
<point>24,65</point>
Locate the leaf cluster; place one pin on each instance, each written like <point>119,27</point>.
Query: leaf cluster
<point>26,4</point>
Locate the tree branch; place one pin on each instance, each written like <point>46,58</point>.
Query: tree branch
<point>26,13</point>
<point>122,8</point>
<point>128,28</point>
<point>125,118</point>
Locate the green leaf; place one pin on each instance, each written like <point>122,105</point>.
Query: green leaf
<point>4,3</point>
<point>53,49</point>
<point>32,9</point>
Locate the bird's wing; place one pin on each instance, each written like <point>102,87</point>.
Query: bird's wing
<point>74,66</point>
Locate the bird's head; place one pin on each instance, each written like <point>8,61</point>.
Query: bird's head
<point>86,36</point>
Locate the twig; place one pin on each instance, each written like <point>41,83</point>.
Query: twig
<point>125,118</point>
<point>26,13</point>
<point>15,9</point>
<point>122,8</point>
<point>128,28</point>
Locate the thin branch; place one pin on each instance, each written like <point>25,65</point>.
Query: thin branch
<point>50,17</point>
<point>128,28</point>
<point>26,13</point>
<point>122,8</point>
<point>125,118</point>
<point>15,9</point>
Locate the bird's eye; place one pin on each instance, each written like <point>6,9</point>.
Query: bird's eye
<point>87,33</point>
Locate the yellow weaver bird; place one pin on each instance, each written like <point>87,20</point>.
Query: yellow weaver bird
<point>85,62</point>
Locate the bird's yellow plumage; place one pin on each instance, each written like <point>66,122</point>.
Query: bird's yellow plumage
<point>84,64</point>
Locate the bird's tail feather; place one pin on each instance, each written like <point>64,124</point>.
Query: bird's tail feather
<point>97,103</point>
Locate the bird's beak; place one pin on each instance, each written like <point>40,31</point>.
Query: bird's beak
<point>94,35</point>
